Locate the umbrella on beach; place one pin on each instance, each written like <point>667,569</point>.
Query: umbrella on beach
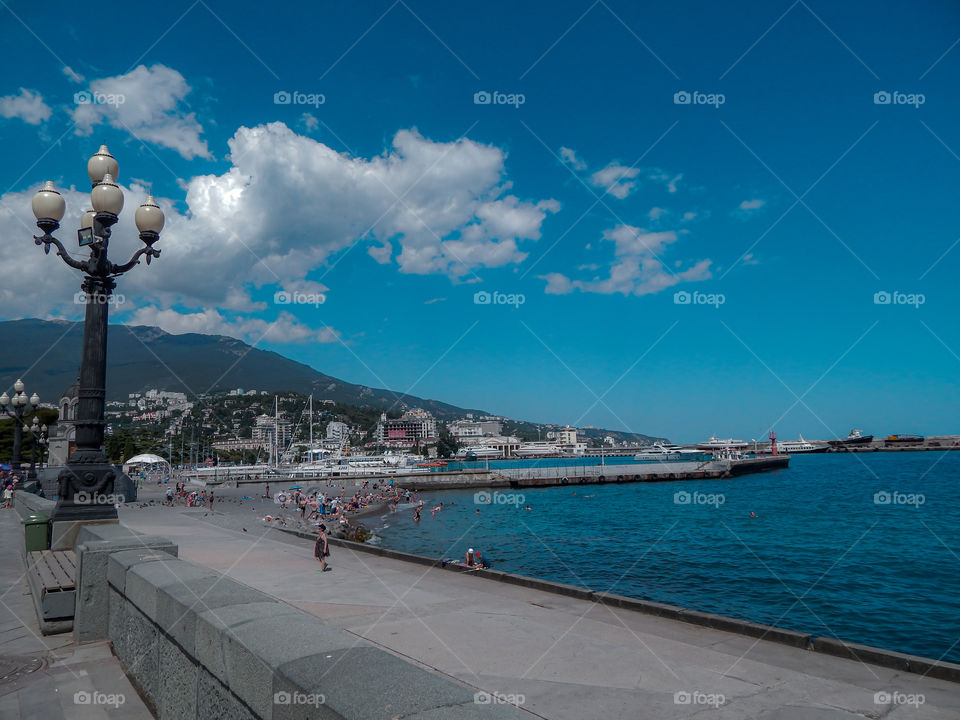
<point>5,467</point>
<point>293,487</point>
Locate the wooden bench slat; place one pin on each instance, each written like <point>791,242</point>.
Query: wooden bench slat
<point>54,569</point>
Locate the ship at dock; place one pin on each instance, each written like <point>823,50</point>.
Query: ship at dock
<point>715,443</point>
<point>665,452</point>
<point>792,447</point>
<point>856,437</point>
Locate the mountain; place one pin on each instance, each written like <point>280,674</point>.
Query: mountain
<point>46,354</point>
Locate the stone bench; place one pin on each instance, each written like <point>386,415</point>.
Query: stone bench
<point>52,578</point>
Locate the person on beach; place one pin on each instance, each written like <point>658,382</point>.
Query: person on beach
<point>321,551</point>
<point>210,499</point>
<point>470,557</point>
<point>416,513</point>
<point>8,496</point>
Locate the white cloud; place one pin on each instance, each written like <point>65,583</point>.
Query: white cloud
<point>616,179</point>
<point>570,157</point>
<point>309,121</point>
<point>755,204</point>
<point>26,105</point>
<point>285,329</point>
<point>637,267</point>
<point>657,213</point>
<point>147,102</point>
<point>276,218</point>
<point>72,75</point>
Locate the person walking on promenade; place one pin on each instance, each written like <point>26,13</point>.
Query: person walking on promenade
<point>321,550</point>
<point>8,496</point>
<point>210,499</point>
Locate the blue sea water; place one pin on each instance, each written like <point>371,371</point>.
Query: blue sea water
<point>864,547</point>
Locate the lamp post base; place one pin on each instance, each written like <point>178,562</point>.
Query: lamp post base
<point>86,488</point>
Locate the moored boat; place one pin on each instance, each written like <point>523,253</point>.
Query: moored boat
<point>856,437</point>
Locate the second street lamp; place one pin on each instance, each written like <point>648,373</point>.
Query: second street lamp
<point>18,407</point>
<point>87,480</point>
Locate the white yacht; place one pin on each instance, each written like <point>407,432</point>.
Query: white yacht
<point>537,449</point>
<point>665,451</point>
<point>715,443</point>
<point>790,447</point>
<point>480,452</point>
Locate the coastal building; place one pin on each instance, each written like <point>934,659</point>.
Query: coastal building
<point>413,426</point>
<point>338,431</point>
<point>263,431</point>
<point>474,428</point>
<point>567,435</point>
<point>63,435</point>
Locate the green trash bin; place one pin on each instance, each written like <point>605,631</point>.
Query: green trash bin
<point>36,532</point>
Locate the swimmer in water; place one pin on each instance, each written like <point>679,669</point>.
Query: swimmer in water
<point>753,514</point>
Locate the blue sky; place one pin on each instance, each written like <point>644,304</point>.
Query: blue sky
<point>778,202</point>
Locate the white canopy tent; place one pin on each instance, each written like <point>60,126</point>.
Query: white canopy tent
<point>148,467</point>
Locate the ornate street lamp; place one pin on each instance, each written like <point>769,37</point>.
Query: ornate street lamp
<point>88,472</point>
<point>18,407</point>
<point>38,435</point>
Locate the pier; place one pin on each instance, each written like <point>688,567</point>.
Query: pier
<point>533,476</point>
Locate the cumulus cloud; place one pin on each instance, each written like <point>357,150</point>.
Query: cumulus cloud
<point>285,207</point>
<point>637,267</point>
<point>26,105</point>
<point>284,329</point>
<point>148,103</point>
<point>570,157</point>
<point>309,122</point>
<point>72,75</point>
<point>755,204</point>
<point>616,180</point>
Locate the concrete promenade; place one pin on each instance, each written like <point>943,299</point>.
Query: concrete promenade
<point>565,658</point>
<point>41,676</point>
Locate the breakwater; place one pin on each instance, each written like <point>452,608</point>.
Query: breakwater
<point>538,475</point>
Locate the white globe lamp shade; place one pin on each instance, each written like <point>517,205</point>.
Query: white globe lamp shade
<point>48,204</point>
<point>106,196</point>
<point>149,216</point>
<point>101,164</point>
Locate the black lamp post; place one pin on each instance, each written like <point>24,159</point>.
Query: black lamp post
<point>38,435</point>
<point>88,473</point>
<point>18,407</point>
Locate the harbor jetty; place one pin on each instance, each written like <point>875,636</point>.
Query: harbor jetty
<point>521,474</point>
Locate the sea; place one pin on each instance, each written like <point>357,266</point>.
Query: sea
<point>861,547</point>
